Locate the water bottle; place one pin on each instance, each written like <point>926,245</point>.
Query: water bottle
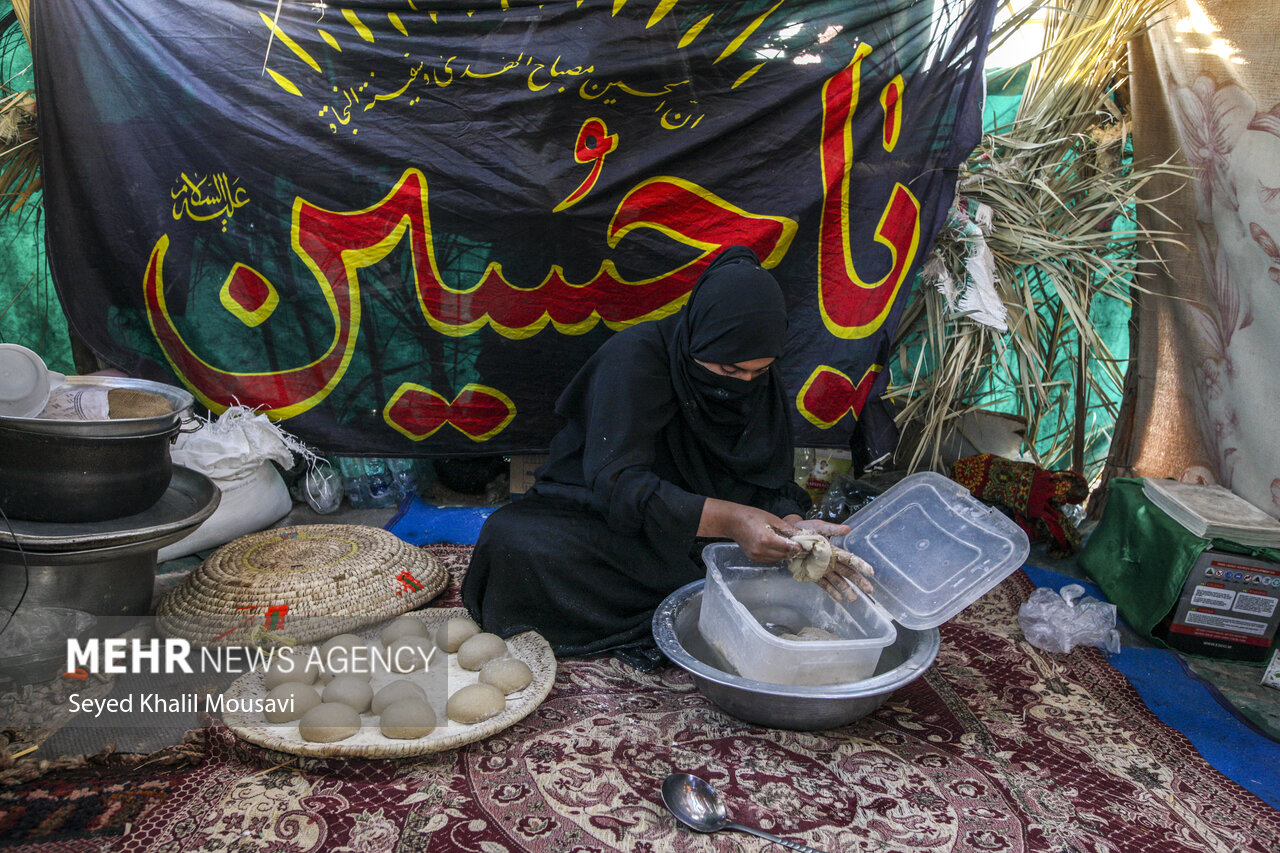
<point>404,476</point>
<point>803,457</point>
<point>373,482</point>
<point>354,482</point>
<point>381,483</point>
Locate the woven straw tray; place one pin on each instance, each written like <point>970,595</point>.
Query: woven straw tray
<point>369,742</point>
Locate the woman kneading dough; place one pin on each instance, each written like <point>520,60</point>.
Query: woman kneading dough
<point>675,430</point>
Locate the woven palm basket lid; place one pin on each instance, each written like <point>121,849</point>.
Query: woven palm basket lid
<point>299,584</point>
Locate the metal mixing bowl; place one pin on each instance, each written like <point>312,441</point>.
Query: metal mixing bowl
<point>780,706</point>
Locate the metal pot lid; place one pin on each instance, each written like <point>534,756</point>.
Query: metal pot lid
<point>179,399</point>
<point>190,499</point>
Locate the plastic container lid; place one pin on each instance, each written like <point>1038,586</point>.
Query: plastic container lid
<point>934,547</point>
<point>25,382</point>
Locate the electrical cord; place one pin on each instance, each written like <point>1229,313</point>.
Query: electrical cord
<point>26,570</point>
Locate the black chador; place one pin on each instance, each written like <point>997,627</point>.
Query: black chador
<point>609,528</point>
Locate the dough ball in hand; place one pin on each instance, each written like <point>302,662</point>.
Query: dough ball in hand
<point>507,674</point>
<point>405,626</point>
<point>476,702</point>
<point>328,722</point>
<point>351,690</point>
<point>399,689</point>
<point>289,701</point>
<point>814,558</point>
<point>287,666</point>
<point>407,719</point>
<point>452,634</point>
<point>479,650</point>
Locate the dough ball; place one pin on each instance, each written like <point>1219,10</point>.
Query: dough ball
<point>345,654</point>
<point>329,722</point>
<point>476,702</point>
<point>289,701</point>
<point>815,558</point>
<point>405,626</point>
<point>285,666</point>
<point>395,691</point>
<point>507,674</point>
<point>342,641</point>
<point>409,653</point>
<point>476,651</point>
<point>407,718</point>
<point>351,690</point>
<point>455,632</point>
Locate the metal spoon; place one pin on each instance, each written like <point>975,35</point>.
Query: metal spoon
<point>697,805</point>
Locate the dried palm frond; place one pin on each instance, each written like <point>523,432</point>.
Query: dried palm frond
<point>19,154</point>
<point>1043,194</point>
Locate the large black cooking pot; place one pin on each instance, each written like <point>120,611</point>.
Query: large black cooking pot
<point>82,471</point>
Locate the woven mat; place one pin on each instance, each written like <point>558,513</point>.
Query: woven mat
<point>998,748</point>
<point>309,582</point>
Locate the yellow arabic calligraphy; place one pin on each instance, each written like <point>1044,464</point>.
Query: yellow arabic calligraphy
<point>391,96</point>
<point>192,198</point>
<point>670,118</point>
<point>586,91</point>
<point>444,75</point>
<point>534,67</point>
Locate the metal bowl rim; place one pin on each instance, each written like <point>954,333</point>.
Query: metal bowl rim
<point>920,659</point>
<point>181,400</point>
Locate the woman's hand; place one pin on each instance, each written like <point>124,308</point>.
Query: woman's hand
<point>826,528</point>
<point>761,535</point>
<point>849,568</point>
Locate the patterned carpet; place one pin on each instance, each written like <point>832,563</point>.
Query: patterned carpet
<point>998,748</point>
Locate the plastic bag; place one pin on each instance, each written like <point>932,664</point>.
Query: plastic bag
<point>1058,622</point>
<point>845,497</point>
<point>322,488</point>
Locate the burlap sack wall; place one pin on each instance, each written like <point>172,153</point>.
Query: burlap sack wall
<point>1203,401</point>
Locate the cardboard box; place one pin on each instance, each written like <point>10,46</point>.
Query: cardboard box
<point>522,471</point>
<point>1229,608</point>
<point>1271,678</point>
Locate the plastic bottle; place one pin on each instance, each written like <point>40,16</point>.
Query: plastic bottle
<point>354,482</point>
<point>381,483</point>
<point>803,459</point>
<point>372,482</point>
<point>404,476</point>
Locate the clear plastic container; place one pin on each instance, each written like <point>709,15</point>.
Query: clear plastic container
<point>935,548</point>
<point>742,598</point>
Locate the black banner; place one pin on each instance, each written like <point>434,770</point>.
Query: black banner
<point>403,226</point>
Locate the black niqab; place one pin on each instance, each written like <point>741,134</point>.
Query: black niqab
<point>740,433</point>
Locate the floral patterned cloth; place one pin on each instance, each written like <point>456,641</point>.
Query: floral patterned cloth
<point>1200,400</point>
<point>1031,495</point>
<point>999,747</point>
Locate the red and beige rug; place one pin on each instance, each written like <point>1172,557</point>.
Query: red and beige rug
<point>999,747</point>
